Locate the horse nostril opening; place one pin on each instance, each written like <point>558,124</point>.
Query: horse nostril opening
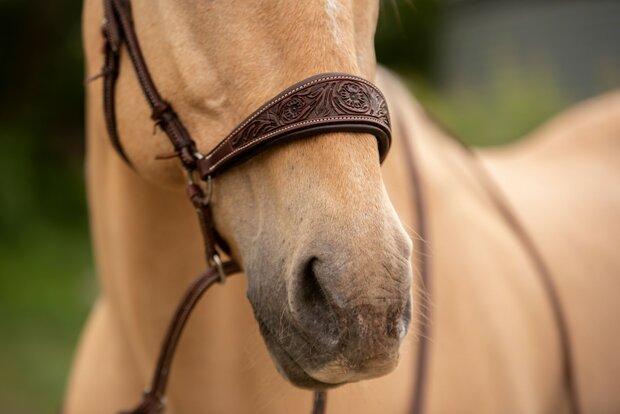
<point>314,310</point>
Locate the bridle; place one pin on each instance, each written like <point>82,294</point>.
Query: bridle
<point>330,102</point>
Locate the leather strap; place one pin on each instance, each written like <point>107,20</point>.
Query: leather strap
<point>328,102</point>
<point>319,403</point>
<point>506,211</point>
<point>110,74</point>
<point>425,315</point>
<point>153,400</point>
<point>118,29</point>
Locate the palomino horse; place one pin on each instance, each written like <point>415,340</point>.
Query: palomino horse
<point>317,235</point>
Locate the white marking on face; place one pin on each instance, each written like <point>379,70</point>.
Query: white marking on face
<point>331,7</point>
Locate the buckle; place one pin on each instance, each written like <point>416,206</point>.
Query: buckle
<point>220,267</point>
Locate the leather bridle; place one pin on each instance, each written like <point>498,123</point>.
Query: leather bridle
<point>330,102</point>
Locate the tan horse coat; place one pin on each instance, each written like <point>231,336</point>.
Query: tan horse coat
<point>494,346</point>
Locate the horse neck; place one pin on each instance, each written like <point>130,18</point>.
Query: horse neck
<point>148,249</point>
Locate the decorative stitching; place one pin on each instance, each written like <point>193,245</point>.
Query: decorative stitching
<point>288,127</point>
<point>279,98</point>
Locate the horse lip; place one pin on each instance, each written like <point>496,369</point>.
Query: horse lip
<point>371,368</point>
<point>309,381</point>
<point>332,374</point>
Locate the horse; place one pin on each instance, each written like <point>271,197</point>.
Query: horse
<point>324,236</point>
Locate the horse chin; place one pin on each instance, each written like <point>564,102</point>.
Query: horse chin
<point>294,373</point>
<point>300,371</point>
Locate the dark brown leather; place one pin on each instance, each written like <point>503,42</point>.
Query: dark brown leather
<point>328,102</point>
<point>118,30</point>
<point>153,401</point>
<point>425,317</point>
<point>110,74</point>
<point>319,402</point>
<point>205,218</point>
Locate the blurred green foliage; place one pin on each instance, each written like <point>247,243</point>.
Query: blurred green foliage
<point>46,277</point>
<point>512,105</point>
<point>406,35</point>
<point>46,281</point>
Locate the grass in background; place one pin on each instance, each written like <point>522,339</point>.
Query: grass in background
<point>46,288</point>
<point>511,106</point>
<point>46,277</point>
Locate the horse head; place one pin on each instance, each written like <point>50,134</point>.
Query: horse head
<point>326,257</point>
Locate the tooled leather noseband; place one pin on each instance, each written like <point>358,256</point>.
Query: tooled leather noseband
<point>331,102</point>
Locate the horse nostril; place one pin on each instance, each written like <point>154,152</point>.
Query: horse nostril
<point>311,306</point>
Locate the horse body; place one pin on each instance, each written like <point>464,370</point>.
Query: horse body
<point>494,345</point>
<point>563,182</point>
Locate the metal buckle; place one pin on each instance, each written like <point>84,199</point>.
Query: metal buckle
<point>208,190</point>
<point>208,186</point>
<point>220,267</point>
